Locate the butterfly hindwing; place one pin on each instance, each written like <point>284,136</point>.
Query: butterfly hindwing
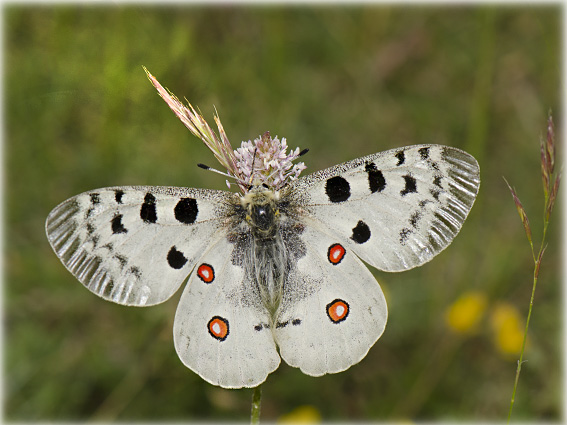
<point>332,309</point>
<point>135,245</point>
<point>395,209</point>
<point>222,331</point>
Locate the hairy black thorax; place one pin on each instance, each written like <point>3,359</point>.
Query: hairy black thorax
<point>270,243</point>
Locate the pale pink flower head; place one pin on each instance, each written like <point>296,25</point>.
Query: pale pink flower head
<point>263,161</point>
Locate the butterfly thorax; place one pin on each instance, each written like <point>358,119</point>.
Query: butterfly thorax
<point>262,211</point>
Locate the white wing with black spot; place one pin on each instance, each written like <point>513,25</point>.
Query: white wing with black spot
<point>395,209</point>
<point>222,331</point>
<point>135,245</point>
<point>332,309</point>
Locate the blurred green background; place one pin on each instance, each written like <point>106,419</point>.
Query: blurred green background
<point>342,81</point>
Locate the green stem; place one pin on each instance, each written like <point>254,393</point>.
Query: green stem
<point>537,264</point>
<point>519,368</point>
<point>256,404</point>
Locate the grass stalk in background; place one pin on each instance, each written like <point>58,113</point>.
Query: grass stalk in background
<point>550,181</point>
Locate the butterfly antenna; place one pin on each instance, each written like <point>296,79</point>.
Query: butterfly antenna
<point>303,152</point>
<point>206,167</point>
<point>237,179</point>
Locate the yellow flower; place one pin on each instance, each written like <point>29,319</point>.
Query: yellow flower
<point>464,314</point>
<point>507,329</point>
<point>301,415</point>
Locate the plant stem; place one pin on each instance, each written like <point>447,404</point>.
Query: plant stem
<point>551,182</point>
<point>256,404</point>
<point>537,264</point>
<point>520,361</point>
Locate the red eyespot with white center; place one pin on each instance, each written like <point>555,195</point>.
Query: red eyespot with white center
<point>336,253</point>
<point>206,273</point>
<point>338,310</point>
<point>218,328</point>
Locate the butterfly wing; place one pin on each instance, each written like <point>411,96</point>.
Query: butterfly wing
<point>221,328</point>
<point>395,209</point>
<point>135,245</point>
<point>332,309</point>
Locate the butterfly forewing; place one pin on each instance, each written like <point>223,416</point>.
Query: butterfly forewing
<point>395,209</point>
<point>135,245</point>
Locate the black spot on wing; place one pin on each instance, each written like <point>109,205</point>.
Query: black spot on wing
<point>282,324</point>
<point>95,200</point>
<point>401,158</point>
<point>424,153</point>
<point>376,180</point>
<point>361,232</point>
<point>404,234</point>
<point>437,181</point>
<point>117,226</point>
<point>296,322</point>
<point>186,210</point>
<point>411,185</point>
<point>136,272</point>
<point>175,258</point>
<point>435,193</point>
<point>261,326</point>
<point>337,189</point>
<point>122,260</point>
<point>415,218</point>
<point>118,194</point>
<point>148,212</point>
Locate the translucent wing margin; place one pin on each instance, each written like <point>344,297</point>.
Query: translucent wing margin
<point>135,245</point>
<point>395,209</point>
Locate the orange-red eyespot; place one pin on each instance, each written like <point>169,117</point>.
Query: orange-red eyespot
<point>336,253</point>
<point>218,328</point>
<point>337,310</point>
<point>206,273</point>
